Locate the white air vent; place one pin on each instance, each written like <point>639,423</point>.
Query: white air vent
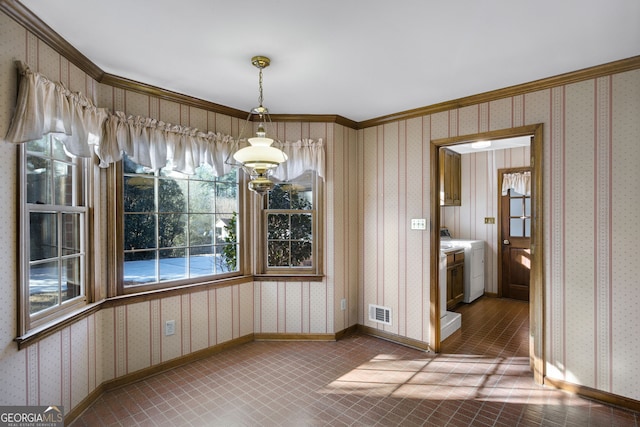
<point>380,314</point>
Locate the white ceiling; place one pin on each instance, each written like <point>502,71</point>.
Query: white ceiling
<point>497,144</point>
<point>360,59</point>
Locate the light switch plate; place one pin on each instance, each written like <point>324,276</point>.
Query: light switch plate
<point>418,224</point>
<point>489,220</point>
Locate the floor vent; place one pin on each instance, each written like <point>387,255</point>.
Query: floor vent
<point>380,314</point>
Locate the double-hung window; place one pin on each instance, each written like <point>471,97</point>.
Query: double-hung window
<point>292,227</point>
<point>53,223</point>
<point>178,228</point>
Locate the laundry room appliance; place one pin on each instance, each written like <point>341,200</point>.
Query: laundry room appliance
<point>473,263</point>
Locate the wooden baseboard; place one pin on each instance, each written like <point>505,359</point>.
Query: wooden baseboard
<point>346,332</point>
<point>84,404</point>
<point>491,294</point>
<point>408,342</point>
<point>294,337</point>
<point>591,393</point>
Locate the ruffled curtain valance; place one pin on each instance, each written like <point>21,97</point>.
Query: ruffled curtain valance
<point>46,107</point>
<point>153,143</point>
<point>518,181</point>
<point>304,155</point>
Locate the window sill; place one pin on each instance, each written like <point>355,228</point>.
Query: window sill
<point>288,277</point>
<point>56,325</point>
<point>50,328</point>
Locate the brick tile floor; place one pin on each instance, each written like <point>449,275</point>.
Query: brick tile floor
<point>481,378</point>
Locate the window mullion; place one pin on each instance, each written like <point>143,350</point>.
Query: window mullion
<point>59,238</point>
<point>156,201</point>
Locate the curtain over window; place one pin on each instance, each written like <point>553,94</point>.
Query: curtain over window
<point>304,155</point>
<point>518,181</point>
<point>45,107</point>
<point>156,144</point>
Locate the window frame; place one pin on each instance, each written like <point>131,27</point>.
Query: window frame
<point>526,231</point>
<point>314,273</point>
<point>83,185</point>
<point>115,188</point>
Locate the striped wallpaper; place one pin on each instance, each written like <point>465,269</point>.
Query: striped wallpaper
<point>591,157</point>
<point>377,181</point>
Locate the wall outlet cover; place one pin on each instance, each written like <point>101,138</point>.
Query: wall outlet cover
<point>169,327</point>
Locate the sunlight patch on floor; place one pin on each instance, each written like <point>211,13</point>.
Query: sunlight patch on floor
<point>444,377</point>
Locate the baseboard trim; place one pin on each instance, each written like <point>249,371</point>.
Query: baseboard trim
<point>84,404</point>
<point>491,294</point>
<point>294,337</point>
<point>592,393</point>
<point>346,332</point>
<point>398,339</point>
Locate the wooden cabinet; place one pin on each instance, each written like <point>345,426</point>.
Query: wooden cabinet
<point>455,278</point>
<point>450,194</point>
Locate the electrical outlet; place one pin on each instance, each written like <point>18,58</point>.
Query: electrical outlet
<point>343,304</point>
<point>169,327</point>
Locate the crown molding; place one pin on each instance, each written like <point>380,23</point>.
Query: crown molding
<point>614,67</point>
<point>32,23</point>
<point>323,118</point>
<point>146,89</point>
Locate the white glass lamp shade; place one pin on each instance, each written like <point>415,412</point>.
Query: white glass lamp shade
<point>260,154</point>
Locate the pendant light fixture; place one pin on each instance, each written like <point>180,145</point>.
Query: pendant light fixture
<point>260,158</point>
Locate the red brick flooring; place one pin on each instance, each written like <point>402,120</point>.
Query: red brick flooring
<point>481,378</point>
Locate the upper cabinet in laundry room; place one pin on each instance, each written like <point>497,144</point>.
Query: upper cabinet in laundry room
<point>450,194</point>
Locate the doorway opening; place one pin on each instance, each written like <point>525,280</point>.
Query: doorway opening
<point>536,288</point>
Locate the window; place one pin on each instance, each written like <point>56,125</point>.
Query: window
<point>178,227</point>
<point>291,227</point>
<point>519,214</point>
<point>54,225</point>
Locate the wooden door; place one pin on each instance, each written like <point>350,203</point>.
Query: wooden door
<point>515,244</point>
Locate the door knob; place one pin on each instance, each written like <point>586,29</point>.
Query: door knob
<point>506,242</point>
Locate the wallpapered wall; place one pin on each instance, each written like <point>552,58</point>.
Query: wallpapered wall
<point>590,164</point>
<point>67,366</point>
<point>377,180</point>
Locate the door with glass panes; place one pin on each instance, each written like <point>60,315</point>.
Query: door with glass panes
<point>515,242</point>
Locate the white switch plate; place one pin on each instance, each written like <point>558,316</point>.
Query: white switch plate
<point>169,327</point>
<point>343,304</point>
<point>418,224</point>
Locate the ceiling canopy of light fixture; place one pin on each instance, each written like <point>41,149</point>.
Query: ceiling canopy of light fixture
<point>260,158</point>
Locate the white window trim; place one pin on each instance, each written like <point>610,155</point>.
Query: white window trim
<point>27,322</point>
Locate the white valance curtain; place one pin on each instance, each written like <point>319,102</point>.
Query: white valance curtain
<point>304,155</point>
<point>518,181</point>
<point>153,143</point>
<point>46,107</point>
